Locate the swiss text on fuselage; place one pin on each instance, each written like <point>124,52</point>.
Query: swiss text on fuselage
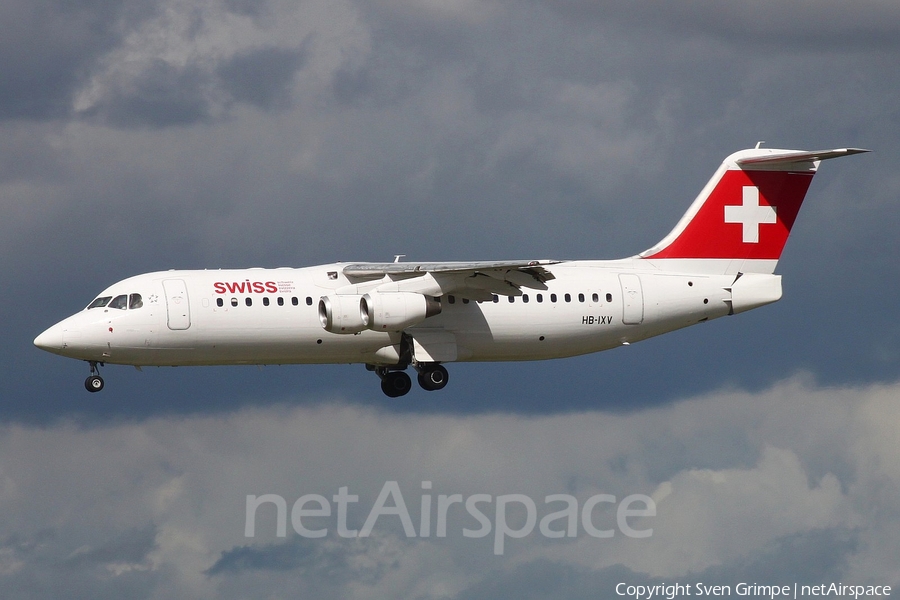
<point>245,287</point>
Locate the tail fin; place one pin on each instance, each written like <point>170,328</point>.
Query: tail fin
<point>742,218</point>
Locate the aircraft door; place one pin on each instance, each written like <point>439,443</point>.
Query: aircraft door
<point>178,307</point>
<point>632,299</point>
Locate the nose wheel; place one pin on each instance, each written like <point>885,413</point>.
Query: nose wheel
<point>94,383</point>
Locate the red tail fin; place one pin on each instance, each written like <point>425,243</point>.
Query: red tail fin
<point>742,218</point>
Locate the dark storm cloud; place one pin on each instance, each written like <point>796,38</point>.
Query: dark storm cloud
<point>286,556</point>
<point>131,547</point>
<point>814,24</point>
<point>808,557</point>
<point>351,85</point>
<point>250,8</point>
<point>45,566</point>
<point>49,49</point>
<point>161,95</point>
<point>308,558</point>
<point>262,77</point>
<point>26,155</point>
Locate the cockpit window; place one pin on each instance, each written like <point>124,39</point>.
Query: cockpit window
<point>135,301</point>
<point>99,302</point>
<point>120,302</point>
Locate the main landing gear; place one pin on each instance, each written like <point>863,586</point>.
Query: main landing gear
<point>396,383</point>
<point>94,383</point>
<point>432,377</point>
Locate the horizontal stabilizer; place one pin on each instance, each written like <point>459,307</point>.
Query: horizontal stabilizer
<point>799,156</point>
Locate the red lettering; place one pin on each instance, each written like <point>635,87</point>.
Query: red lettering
<point>246,287</point>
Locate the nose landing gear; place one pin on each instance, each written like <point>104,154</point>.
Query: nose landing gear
<point>94,383</point>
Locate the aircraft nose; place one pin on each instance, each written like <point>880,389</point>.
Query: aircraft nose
<point>51,340</point>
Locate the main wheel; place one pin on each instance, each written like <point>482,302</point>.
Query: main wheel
<point>94,383</point>
<point>396,384</point>
<point>434,378</point>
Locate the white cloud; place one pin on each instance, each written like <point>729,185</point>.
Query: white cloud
<point>161,504</point>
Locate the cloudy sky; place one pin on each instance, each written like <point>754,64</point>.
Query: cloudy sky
<point>147,135</point>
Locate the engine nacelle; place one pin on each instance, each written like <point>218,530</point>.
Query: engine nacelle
<point>340,313</point>
<point>394,311</point>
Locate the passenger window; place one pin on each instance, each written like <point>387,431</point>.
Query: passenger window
<point>465,300</point>
<point>280,301</point>
<point>294,301</point>
<point>119,302</point>
<point>248,301</point>
<point>451,299</point>
<point>135,301</point>
<point>219,302</point>
<point>540,297</point>
<point>266,301</point>
<point>234,301</point>
<point>100,302</point>
<point>308,301</point>
<point>512,299</point>
<point>596,297</point>
<point>524,297</point>
<point>581,297</point>
<point>552,297</point>
<point>609,297</point>
<point>568,297</point>
<point>496,298</point>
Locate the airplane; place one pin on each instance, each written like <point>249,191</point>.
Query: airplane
<point>718,260</point>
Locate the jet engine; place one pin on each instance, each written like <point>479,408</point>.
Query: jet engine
<point>396,310</point>
<point>340,313</point>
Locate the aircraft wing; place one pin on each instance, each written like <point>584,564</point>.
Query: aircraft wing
<point>476,280</point>
<point>534,268</point>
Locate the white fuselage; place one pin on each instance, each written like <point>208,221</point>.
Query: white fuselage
<point>269,316</point>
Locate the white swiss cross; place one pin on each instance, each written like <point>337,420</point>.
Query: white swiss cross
<point>750,214</point>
